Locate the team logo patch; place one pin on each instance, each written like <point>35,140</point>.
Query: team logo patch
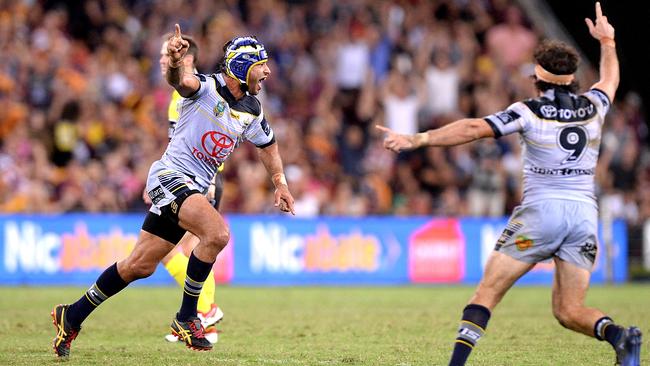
<point>156,194</point>
<point>507,116</point>
<point>174,207</point>
<point>219,108</point>
<point>523,242</point>
<point>589,250</point>
<point>548,111</point>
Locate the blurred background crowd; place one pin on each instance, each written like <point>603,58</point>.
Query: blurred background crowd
<point>83,104</point>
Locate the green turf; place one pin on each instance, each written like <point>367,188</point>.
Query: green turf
<point>315,326</point>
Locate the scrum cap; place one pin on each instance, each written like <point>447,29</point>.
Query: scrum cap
<point>241,54</point>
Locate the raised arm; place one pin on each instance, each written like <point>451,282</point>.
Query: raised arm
<point>186,84</point>
<point>455,133</point>
<point>270,157</point>
<point>609,70</point>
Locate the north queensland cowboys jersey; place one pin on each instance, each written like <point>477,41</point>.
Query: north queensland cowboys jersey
<point>211,125</point>
<point>561,135</point>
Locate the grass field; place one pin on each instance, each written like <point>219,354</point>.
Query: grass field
<point>315,326</point>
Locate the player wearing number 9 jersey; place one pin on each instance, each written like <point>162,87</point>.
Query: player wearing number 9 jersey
<point>558,218</point>
<point>561,138</point>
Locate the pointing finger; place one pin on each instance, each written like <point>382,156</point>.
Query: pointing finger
<point>177,32</point>
<point>599,11</point>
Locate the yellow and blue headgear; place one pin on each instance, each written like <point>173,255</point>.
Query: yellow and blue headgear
<point>240,55</point>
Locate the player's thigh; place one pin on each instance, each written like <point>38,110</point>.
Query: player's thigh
<point>501,272</point>
<point>197,216</point>
<point>570,285</point>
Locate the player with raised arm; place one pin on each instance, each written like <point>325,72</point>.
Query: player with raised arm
<point>176,261</point>
<point>219,112</point>
<point>558,218</point>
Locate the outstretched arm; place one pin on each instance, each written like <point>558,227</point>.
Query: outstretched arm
<point>270,157</point>
<point>455,133</point>
<point>609,70</point>
<point>185,84</point>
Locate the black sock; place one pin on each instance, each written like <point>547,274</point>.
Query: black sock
<point>606,330</point>
<point>197,272</point>
<point>108,284</point>
<point>472,327</point>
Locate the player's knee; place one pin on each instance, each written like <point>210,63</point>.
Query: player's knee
<point>219,239</point>
<point>566,314</point>
<point>140,269</point>
<point>223,238</point>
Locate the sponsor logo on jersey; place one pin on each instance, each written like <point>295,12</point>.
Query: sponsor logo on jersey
<point>507,116</point>
<point>156,194</point>
<point>549,111</point>
<point>216,144</point>
<point>205,158</point>
<point>563,171</point>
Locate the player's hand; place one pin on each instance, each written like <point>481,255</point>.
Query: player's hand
<point>177,47</point>
<point>284,199</point>
<point>396,142</point>
<point>601,29</point>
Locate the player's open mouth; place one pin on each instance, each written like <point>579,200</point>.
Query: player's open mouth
<point>259,82</point>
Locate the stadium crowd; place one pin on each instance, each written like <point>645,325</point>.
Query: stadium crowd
<point>83,104</point>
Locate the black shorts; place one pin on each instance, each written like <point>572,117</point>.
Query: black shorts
<point>165,225</point>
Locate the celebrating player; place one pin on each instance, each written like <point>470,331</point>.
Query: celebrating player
<point>219,112</point>
<point>557,219</point>
<point>176,261</point>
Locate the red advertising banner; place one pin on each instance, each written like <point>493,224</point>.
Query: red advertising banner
<point>437,252</point>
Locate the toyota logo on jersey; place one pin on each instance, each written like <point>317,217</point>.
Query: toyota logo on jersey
<point>216,144</point>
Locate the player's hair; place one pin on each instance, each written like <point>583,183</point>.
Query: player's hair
<point>558,58</point>
<point>192,50</point>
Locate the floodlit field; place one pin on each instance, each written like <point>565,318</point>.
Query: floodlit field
<point>315,326</point>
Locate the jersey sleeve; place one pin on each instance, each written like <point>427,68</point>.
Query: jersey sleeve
<point>600,100</point>
<point>203,86</point>
<point>259,132</point>
<point>508,121</point>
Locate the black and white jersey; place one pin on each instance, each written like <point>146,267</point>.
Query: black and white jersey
<point>211,124</point>
<point>561,134</point>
